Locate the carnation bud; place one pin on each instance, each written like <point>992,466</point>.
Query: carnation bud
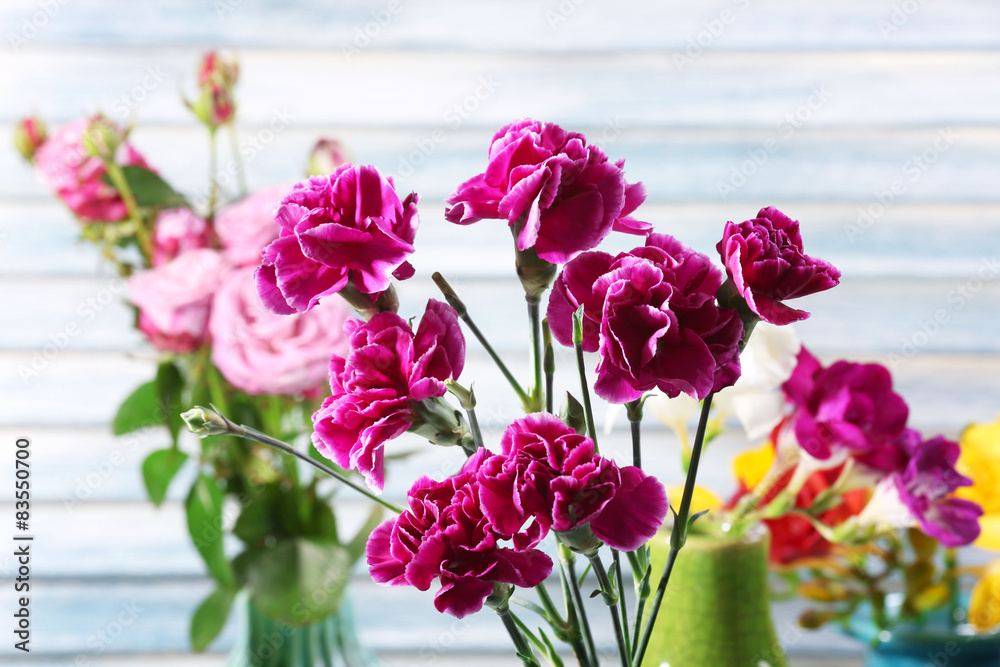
<point>441,424</point>
<point>205,422</point>
<point>102,139</point>
<point>535,274</point>
<point>29,135</point>
<point>581,540</point>
<point>326,156</point>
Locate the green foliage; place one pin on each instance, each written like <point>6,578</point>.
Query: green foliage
<point>204,519</point>
<point>159,469</point>
<point>149,188</point>
<point>210,617</point>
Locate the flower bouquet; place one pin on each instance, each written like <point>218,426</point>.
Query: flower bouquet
<point>865,513</point>
<point>660,317</point>
<point>189,270</point>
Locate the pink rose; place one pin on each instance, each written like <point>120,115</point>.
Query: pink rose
<point>245,227</point>
<point>766,265</point>
<point>178,230</point>
<point>263,353</point>
<point>349,226</point>
<point>651,314</point>
<point>566,194</point>
<point>377,389</point>
<point>76,177</point>
<point>174,299</point>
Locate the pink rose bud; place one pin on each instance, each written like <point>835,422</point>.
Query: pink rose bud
<point>326,156</point>
<point>29,135</point>
<point>217,78</point>
<point>66,166</point>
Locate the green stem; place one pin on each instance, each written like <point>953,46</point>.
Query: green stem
<point>634,410</point>
<point>621,599</point>
<point>549,363</point>
<point>568,571</point>
<point>477,434</point>
<point>679,533</point>
<point>452,298</point>
<point>585,389</point>
<point>213,181</point>
<point>611,599</point>
<point>234,144</point>
<point>520,643</point>
<point>536,354</point>
<point>142,235</point>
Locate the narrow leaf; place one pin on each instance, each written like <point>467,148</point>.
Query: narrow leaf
<point>149,188</point>
<point>204,519</point>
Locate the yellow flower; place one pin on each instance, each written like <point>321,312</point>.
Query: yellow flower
<point>751,465</point>
<point>980,461</point>
<point>701,499</point>
<point>984,605</point>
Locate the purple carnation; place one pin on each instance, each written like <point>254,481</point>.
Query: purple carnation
<point>387,369</point>
<point>564,193</point>
<point>651,313</point>
<point>445,535</point>
<point>348,226</point>
<point>766,264</point>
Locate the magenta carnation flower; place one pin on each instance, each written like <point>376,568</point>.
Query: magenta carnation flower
<point>376,388</point>
<point>445,535</point>
<point>564,193</point>
<point>551,473</point>
<point>348,226</point>
<point>848,406</point>
<point>766,264</point>
<point>651,314</point>
<point>78,178</point>
<point>261,352</point>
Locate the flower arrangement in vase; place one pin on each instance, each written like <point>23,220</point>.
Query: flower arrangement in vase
<point>189,270</point>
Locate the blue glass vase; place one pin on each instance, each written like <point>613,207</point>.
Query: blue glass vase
<point>936,642</point>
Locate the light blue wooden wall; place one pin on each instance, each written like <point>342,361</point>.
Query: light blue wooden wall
<point>849,93</point>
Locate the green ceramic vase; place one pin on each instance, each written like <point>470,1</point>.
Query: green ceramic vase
<point>332,642</point>
<point>716,611</point>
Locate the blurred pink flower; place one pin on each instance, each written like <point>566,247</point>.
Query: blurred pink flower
<point>348,226</point>
<point>565,193</point>
<point>178,230</point>
<point>263,353</point>
<point>76,177</point>
<point>174,299</point>
<point>245,227</point>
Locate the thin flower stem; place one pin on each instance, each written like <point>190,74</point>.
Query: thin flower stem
<point>536,354</point>
<point>452,298</point>
<point>477,434</point>
<point>621,599</point>
<point>568,571</point>
<point>234,143</point>
<point>213,180</point>
<point>520,643</point>
<point>549,363</point>
<point>585,389</point>
<point>634,410</point>
<point>611,600</point>
<point>679,533</point>
<point>548,604</point>
<point>142,235</point>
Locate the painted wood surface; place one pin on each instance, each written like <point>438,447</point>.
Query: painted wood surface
<point>719,107</point>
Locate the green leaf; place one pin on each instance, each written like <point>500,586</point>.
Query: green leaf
<point>210,617</point>
<point>255,521</point>
<point>149,189</point>
<point>159,469</point>
<point>298,581</point>
<point>138,411</point>
<point>204,519</point>
<point>356,547</point>
<point>169,385</point>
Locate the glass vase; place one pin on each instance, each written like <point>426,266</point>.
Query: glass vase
<point>716,611</point>
<point>332,642</point>
<point>936,642</point>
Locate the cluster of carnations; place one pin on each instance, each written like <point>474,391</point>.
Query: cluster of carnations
<point>660,317</point>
